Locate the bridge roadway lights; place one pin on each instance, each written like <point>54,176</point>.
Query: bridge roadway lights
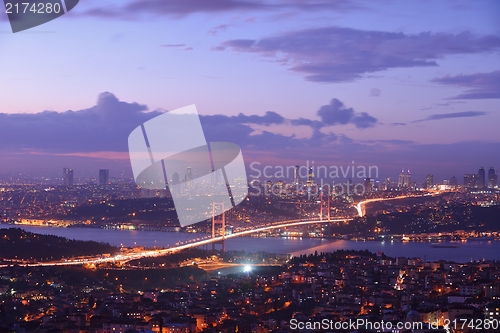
<point>159,253</point>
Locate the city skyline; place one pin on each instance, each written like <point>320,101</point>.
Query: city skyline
<point>292,175</point>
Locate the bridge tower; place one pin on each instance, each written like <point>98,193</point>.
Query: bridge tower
<point>321,205</point>
<point>321,208</point>
<point>328,197</point>
<point>222,222</point>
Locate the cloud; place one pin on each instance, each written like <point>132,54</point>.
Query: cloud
<point>173,45</point>
<point>337,54</point>
<point>336,113</point>
<point>221,27</point>
<point>480,85</point>
<point>180,8</point>
<point>374,92</point>
<point>447,105</point>
<point>465,114</point>
<point>269,118</point>
<point>314,124</point>
<point>105,127</point>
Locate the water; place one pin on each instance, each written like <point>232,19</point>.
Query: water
<point>471,250</point>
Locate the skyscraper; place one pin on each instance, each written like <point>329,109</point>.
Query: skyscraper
<point>176,179</point>
<point>492,178</point>
<point>188,178</point>
<point>310,178</point>
<point>296,175</point>
<point>407,179</point>
<point>388,184</point>
<point>401,179</point>
<point>429,181</point>
<point>67,176</point>
<point>453,181</point>
<point>103,176</point>
<point>470,180</point>
<point>368,185</point>
<point>481,177</point>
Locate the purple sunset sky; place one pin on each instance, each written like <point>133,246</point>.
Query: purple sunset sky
<point>387,83</point>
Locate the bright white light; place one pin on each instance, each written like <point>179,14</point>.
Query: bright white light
<point>247,269</point>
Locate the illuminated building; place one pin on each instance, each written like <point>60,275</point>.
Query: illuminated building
<point>368,185</point>
<point>492,178</point>
<point>481,176</point>
<point>404,179</point>
<point>296,175</point>
<point>429,181</point>
<point>470,180</point>
<point>310,178</point>
<point>388,184</point>
<point>401,179</point>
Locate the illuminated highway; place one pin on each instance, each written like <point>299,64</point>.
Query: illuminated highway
<point>360,207</point>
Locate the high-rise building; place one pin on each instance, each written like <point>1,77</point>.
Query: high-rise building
<point>176,179</point>
<point>189,174</point>
<point>453,181</point>
<point>429,181</point>
<point>368,185</point>
<point>470,180</point>
<point>492,178</point>
<point>296,175</point>
<point>401,179</point>
<point>388,184</point>
<point>103,176</point>
<point>310,177</point>
<point>404,179</point>
<point>67,176</point>
<point>481,177</point>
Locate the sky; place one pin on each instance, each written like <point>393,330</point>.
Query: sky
<point>392,84</point>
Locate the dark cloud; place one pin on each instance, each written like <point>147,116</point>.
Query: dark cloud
<point>336,113</point>
<point>479,85</point>
<point>315,124</point>
<point>398,124</point>
<point>364,120</point>
<point>179,8</point>
<point>106,126</point>
<point>336,54</point>
<point>269,118</point>
<point>465,114</point>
